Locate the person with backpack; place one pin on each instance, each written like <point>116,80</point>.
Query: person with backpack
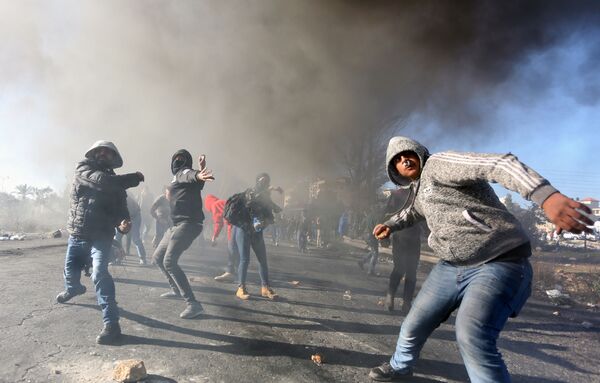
<point>251,212</point>
<point>186,214</point>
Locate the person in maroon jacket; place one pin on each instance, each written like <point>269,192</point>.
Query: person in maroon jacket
<point>215,207</point>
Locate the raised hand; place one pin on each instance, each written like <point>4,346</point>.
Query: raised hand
<point>561,211</point>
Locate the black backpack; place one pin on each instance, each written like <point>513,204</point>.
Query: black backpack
<point>236,212</point>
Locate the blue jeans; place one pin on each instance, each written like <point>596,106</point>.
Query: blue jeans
<point>245,240</point>
<point>133,236</point>
<point>233,255</point>
<point>371,257</point>
<point>78,250</point>
<point>485,296</point>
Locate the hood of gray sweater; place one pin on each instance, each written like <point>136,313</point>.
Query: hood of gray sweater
<point>398,145</point>
<point>118,160</point>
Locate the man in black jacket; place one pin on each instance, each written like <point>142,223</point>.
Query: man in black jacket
<point>98,205</point>
<point>187,216</point>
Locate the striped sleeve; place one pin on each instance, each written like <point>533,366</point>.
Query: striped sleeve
<point>459,169</point>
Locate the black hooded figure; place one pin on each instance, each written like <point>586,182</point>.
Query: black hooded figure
<point>261,209</point>
<point>186,214</point>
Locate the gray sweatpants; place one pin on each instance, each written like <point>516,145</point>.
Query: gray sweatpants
<point>176,240</point>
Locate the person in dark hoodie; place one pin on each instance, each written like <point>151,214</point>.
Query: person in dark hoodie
<point>484,271</point>
<point>98,205</point>
<point>261,209</point>
<point>406,251</point>
<point>186,214</point>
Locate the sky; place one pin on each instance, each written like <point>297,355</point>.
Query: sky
<point>274,86</point>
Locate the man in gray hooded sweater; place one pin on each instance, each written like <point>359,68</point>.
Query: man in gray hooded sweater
<point>484,271</point>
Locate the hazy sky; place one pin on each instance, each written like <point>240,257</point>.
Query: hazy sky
<point>274,86</point>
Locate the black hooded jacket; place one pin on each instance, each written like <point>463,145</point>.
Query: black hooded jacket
<point>258,200</point>
<point>185,191</point>
<point>98,200</point>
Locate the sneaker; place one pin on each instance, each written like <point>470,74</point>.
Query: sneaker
<point>389,302</point>
<point>171,295</point>
<point>192,310</point>
<point>385,373</point>
<point>268,292</point>
<point>66,296</point>
<point>143,262</point>
<point>225,277</point>
<point>242,293</point>
<point>110,334</point>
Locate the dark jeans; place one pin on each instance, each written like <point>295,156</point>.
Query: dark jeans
<point>302,241</point>
<point>78,251</point>
<point>176,240</point>
<point>133,236</point>
<point>406,251</point>
<point>245,240</point>
<point>485,296</point>
<point>233,255</point>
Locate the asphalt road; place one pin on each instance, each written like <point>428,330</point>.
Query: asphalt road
<point>256,340</point>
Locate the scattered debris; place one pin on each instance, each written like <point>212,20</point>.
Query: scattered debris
<point>93,353</point>
<point>347,295</point>
<point>381,302</point>
<point>556,294</point>
<point>294,283</point>
<point>130,370</point>
<point>591,305</point>
<point>587,324</point>
<point>56,372</point>
<point>556,313</point>
<point>317,359</point>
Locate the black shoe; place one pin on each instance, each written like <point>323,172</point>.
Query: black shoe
<point>110,334</point>
<point>66,296</point>
<point>385,373</point>
<point>405,308</point>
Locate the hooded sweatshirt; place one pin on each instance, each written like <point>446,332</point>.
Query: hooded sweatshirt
<point>98,199</point>
<point>216,207</point>
<point>185,191</point>
<point>469,225</point>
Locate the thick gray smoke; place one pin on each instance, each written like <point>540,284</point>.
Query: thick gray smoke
<point>267,85</point>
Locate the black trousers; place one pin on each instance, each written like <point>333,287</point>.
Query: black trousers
<point>406,251</point>
<point>176,240</point>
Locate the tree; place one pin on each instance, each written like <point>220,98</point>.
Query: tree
<point>23,191</point>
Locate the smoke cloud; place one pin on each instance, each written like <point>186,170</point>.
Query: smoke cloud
<point>271,85</point>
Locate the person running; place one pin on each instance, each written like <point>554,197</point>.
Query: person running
<point>406,251</point>
<point>186,213</point>
<point>260,209</point>
<point>484,271</point>
<point>98,205</point>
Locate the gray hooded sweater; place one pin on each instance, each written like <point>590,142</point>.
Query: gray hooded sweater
<point>469,225</point>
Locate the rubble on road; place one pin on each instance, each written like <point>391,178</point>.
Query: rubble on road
<point>129,371</point>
